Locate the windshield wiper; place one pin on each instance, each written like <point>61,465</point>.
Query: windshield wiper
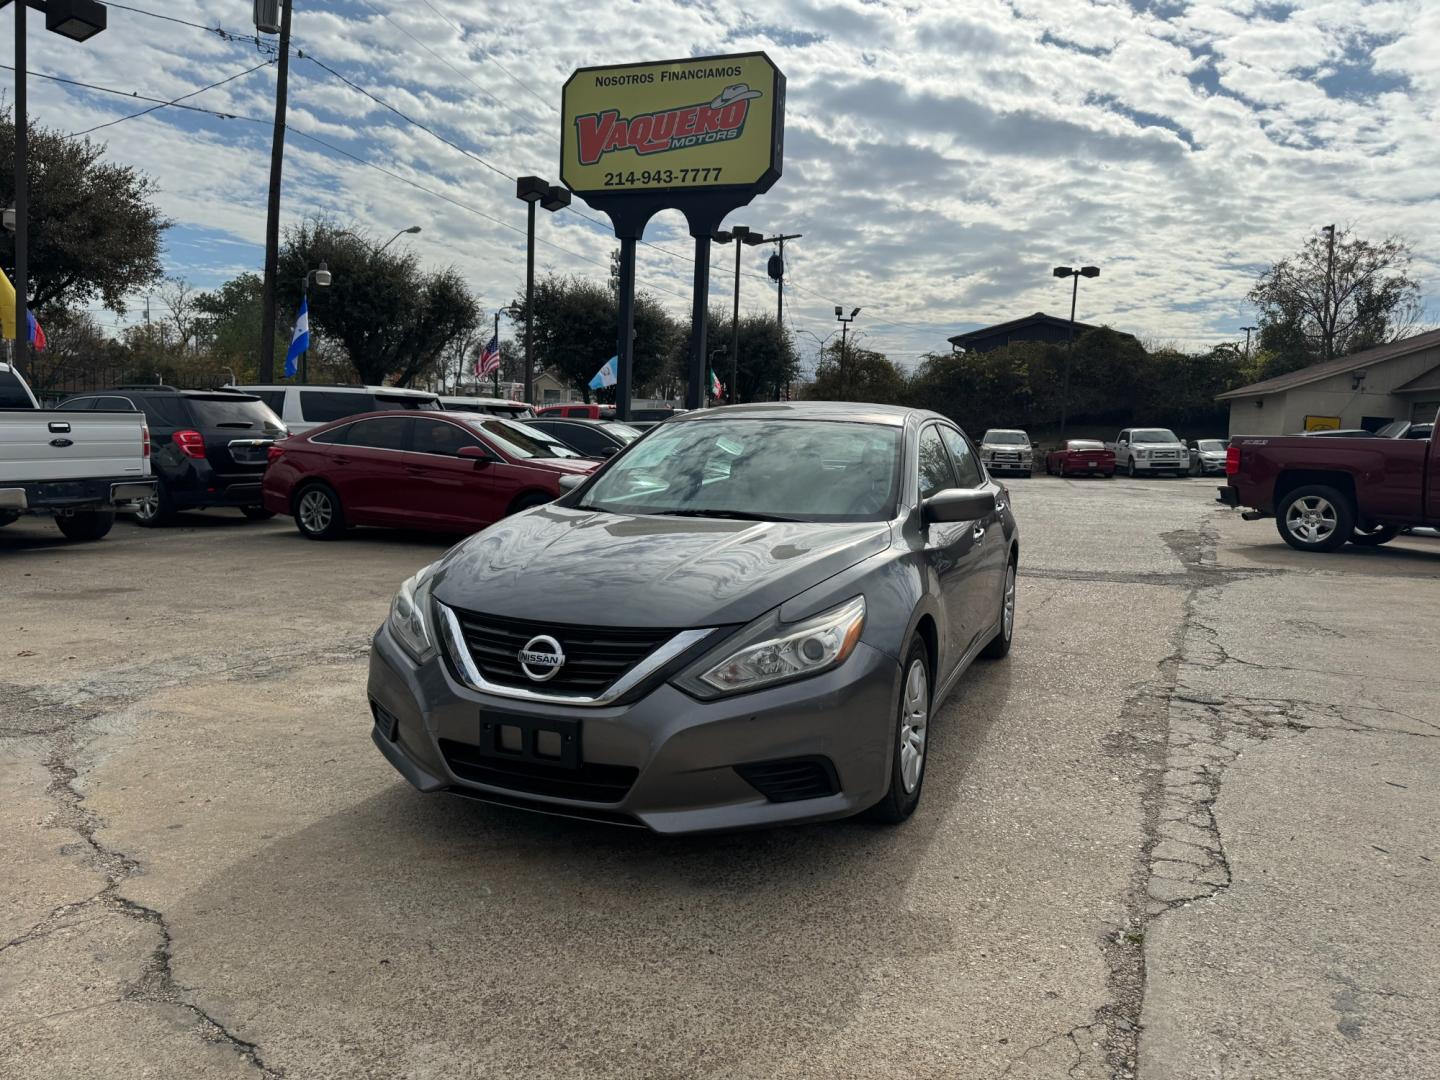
<point>740,515</point>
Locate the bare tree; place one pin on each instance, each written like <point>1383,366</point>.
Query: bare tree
<point>1341,292</point>
<point>180,300</point>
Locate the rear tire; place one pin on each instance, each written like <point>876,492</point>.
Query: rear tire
<point>257,513</point>
<point>1373,537</point>
<point>999,646</point>
<point>318,513</point>
<point>910,738</point>
<point>1315,518</point>
<point>157,511</point>
<point>85,525</point>
<point>8,517</point>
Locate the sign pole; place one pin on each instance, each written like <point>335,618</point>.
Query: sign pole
<point>700,319</point>
<point>626,350</point>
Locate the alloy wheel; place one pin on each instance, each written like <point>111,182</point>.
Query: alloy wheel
<point>1311,519</point>
<point>148,508</point>
<point>914,718</point>
<point>316,513</point>
<point>1008,611</point>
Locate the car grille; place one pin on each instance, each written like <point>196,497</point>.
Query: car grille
<point>595,656</point>
<point>792,779</point>
<point>589,783</point>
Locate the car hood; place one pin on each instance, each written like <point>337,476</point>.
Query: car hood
<point>590,568</point>
<point>1157,446</point>
<point>560,466</point>
<point>1005,446</point>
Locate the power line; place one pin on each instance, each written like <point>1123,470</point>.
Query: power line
<point>228,35</point>
<point>172,101</point>
<point>490,58</point>
<point>162,103</point>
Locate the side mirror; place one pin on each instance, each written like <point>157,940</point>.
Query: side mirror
<point>477,454</point>
<point>956,504</point>
<point>570,481</point>
<point>607,452</point>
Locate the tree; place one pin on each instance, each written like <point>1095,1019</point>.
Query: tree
<point>768,359</point>
<point>869,376</point>
<point>1365,297</point>
<point>576,322</point>
<point>227,324</point>
<point>181,301</point>
<point>94,231</point>
<point>394,320</point>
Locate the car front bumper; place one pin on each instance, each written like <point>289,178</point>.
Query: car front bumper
<point>682,753</point>
<point>1010,465</point>
<point>1162,465</point>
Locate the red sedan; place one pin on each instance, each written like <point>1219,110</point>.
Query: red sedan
<point>1087,456</point>
<point>445,472</point>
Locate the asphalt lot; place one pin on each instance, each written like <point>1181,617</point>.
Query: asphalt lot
<point>1190,828</point>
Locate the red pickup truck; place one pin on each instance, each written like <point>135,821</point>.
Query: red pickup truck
<point>1324,492</point>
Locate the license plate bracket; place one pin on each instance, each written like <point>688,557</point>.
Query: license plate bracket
<point>535,740</point>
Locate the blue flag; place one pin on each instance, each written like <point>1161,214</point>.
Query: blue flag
<point>300,340</point>
<point>607,374</point>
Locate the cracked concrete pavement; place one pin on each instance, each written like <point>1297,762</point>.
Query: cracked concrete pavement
<point>1188,829</point>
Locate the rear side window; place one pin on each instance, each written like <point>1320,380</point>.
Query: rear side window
<point>275,399</point>
<point>382,433</point>
<point>322,406</point>
<point>77,404</point>
<point>967,469</point>
<point>229,414</point>
<point>12,392</point>
<point>114,404</point>
<point>165,412</point>
<point>935,471</point>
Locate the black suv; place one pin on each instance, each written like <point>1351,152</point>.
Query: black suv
<point>207,447</point>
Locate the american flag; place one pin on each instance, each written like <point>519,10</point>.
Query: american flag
<point>489,358</point>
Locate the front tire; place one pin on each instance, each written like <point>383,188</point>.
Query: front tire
<point>1373,537</point>
<point>1315,518</point>
<point>318,514</point>
<point>1133,473</point>
<point>911,735</point>
<point>85,525</point>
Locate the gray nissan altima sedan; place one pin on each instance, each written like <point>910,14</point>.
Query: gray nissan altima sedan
<point>747,617</point>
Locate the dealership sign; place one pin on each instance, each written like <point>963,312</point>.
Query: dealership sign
<point>710,124</point>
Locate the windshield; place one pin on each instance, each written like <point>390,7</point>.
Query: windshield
<point>778,470</point>
<point>1085,444</point>
<point>624,432</point>
<point>1154,434</point>
<point>1211,446</point>
<point>1006,438</point>
<point>230,414</point>
<point>520,441</point>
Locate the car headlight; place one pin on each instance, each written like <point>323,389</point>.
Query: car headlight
<point>1142,453</point>
<point>410,615</point>
<point>769,651</point>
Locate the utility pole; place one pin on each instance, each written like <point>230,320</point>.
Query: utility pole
<point>21,355</point>
<point>496,372</point>
<point>1327,328</point>
<point>1247,330</point>
<point>272,212</point>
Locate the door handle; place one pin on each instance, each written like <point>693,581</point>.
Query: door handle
<point>978,533</point>
<point>342,461</point>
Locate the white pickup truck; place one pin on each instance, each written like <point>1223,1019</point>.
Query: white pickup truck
<point>1148,451</point>
<point>78,466</point>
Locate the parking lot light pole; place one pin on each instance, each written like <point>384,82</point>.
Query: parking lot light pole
<point>844,322</point>
<point>1248,330</point>
<point>531,190</point>
<point>741,235</point>
<point>1075,274</point>
<point>78,20</point>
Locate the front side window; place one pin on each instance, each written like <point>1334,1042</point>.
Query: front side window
<point>438,437</point>
<point>936,472</point>
<point>382,433</point>
<point>795,470</point>
<point>967,469</point>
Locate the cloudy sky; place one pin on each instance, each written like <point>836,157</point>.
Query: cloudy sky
<point>941,157</point>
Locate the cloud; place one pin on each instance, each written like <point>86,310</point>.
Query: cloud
<point>940,158</point>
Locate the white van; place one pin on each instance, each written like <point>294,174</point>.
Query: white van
<point>306,407</point>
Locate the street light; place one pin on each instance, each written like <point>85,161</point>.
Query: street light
<point>78,20</point>
<point>844,322</point>
<point>1076,274</point>
<point>321,276</point>
<point>531,190</point>
<point>412,230</point>
<point>1248,330</point>
<point>740,235</point>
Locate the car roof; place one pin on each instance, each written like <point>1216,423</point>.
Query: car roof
<point>856,412</point>
<point>398,391</point>
<point>511,402</point>
<point>222,392</point>
<point>585,420</point>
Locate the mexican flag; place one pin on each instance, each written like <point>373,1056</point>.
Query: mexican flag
<point>715,388</point>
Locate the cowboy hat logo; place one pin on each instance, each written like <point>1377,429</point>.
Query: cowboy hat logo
<point>732,94</point>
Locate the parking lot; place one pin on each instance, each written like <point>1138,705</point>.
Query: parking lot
<point>1187,829</point>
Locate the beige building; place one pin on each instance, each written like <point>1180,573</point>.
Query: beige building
<point>1398,381</point>
<point>549,390</point>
